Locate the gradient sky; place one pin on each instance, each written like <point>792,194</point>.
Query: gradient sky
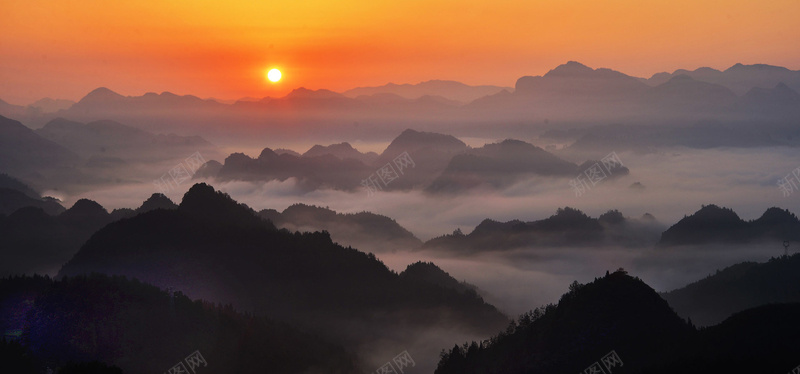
<point>222,49</point>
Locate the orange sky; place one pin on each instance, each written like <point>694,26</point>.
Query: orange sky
<point>222,49</point>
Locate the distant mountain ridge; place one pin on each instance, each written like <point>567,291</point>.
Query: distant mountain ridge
<point>23,152</point>
<point>113,139</point>
<point>341,150</point>
<point>571,93</point>
<point>364,230</point>
<point>739,78</point>
<point>569,227</point>
<point>738,287</point>
<point>447,89</point>
<point>716,225</point>
<point>617,323</point>
<point>499,165</point>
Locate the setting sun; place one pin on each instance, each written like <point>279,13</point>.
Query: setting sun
<point>274,75</point>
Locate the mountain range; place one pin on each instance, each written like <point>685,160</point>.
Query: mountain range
<point>569,227</point>
<point>213,248</point>
<point>40,239</point>
<point>71,156</point>
<point>358,230</point>
<point>713,224</point>
<point>618,323</point>
<point>739,78</point>
<point>745,285</point>
<point>446,89</point>
<point>436,163</point>
<point>571,94</point>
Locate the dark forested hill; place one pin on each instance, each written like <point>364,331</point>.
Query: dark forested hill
<point>619,324</point>
<point>142,329</point>
<point>736,288</point>
<point>713,224</point>
<point>216,249</point>
<point>34,241</point>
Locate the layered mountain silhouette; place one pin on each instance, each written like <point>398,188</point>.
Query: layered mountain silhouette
<point>359,230</point>
<point>428,272</point>
<point>342,151</point>
<point>310,173</point>
<point>214,248</point>
<point>447,89</point>
<point>24,153</point>
<point>74,157</point>
<point>109,139</point>
<point>618,323</point>
<point>36,240</point>
<point>15,195</point>
<point>577,81</point>
<point>433,162</point>
<point>738,78</point>
<point>684,93</point>
<point>716,225</point>
<point>48,105</point>
<point>742,286</point>
<point>111,320</point>
<point>571,94</point>
<point>780,100</point>
<point>702,135</point>
<point>569,227</point>
<point>429,152</point>
<point>499,165</point>
<point>423,157</point>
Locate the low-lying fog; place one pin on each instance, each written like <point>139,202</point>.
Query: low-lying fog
<point>676,183</point>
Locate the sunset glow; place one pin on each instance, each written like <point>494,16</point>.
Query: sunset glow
<point>215,49</point>
<point>274,75</point>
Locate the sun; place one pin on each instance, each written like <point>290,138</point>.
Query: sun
<point>274,75</point>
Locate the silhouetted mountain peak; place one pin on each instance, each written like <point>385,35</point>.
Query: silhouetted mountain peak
<point>205,203</point>
<point>775,216</point>
<point>489,226</point>
<point>340,150</point>
<point>305,93</point>
<point>202,193</point>
<point>156,201</point>
<point>318,212</point>
<point>714,212</point>
<point>267,154</point>
<point>84,210</point>
<point>100,95</point>
<point>571,68</point>
<point>709,224</point>
<point>428,272</point>
<point>424,271</point>
<point>756,67</point>
<point>612,217</point>
<point>417,139</point>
